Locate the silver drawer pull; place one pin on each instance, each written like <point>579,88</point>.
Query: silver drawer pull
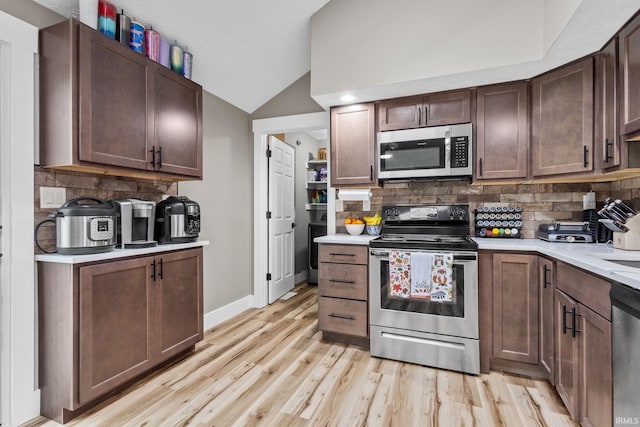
<point>340,254</point>
<point>350,282</point>
<point>342,316</point>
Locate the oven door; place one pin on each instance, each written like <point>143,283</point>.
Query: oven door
<point>458,317</point>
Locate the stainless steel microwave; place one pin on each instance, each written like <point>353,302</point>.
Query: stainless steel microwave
<point>431,152</point>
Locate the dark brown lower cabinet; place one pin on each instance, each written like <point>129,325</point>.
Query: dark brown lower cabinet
<point>583,359</point>
<point>515,307</point>
<point>104,324</point>
<point>544,318</point>
<point>546,276</point>
<point>567,353</point>
<point>343,291</point>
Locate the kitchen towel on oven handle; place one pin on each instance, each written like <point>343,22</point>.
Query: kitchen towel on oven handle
<point>421,264</point>
<point>442,278</point>
<point>399,274</point>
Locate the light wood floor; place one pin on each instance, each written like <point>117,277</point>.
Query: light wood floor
<point>270,367</point>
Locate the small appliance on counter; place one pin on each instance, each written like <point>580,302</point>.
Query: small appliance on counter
<point>623,220</point>
<point>177,220</point>
<point>83,228</point>
<point>570,232</point>
<point>135,223</point>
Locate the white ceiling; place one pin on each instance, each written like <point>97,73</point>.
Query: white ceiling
<point>244,51</point>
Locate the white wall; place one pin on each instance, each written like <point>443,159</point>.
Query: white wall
<point>378,49</point>
<point>19,395</point>
<point>225,197</point>
<point>555,15</point>
<point>363,43</point>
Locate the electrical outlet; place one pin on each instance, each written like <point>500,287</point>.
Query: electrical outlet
<point>366,205</point>
<point>339,206</point>
<point>52,197</point>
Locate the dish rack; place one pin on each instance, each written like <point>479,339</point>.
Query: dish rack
<point>499,222</point>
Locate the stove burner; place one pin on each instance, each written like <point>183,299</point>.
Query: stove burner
<point>446,228</point>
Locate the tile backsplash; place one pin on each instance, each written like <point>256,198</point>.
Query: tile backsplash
<point>101,186</point>
<point>540,203</point>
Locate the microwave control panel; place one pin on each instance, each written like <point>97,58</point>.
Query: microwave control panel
<point>460,152</point>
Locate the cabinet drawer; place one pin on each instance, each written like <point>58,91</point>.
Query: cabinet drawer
<point>343,280</point>
<point>344,254</point>
<point>592,291</point>
<point>343,316</point>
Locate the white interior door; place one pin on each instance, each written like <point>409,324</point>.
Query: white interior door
<point>281,223</point>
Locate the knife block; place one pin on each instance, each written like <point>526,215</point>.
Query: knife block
<point>629,241</point>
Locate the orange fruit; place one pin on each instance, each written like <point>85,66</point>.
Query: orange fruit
<point>347,221</point>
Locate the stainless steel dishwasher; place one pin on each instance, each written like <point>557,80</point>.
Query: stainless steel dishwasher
<point>625,317</point>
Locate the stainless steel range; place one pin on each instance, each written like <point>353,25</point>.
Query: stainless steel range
<point>423,278</point>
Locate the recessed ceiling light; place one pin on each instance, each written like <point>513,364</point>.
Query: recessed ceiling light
<point>348,98</point>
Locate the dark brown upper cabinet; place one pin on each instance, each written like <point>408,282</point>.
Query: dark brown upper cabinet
<point>430,110</point>
<point>107,109</point>
<point>502,133</point>
<point>177,124</point>
<point>630,77</point>
<point>353,133</point>
<point>562,120</point>
<point>607,135</point>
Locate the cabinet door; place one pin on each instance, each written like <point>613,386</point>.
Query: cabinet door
<point>115,317</point>
<point>114,120</point>
<point>607,135</point>
<point>401,113</point>
<point>567,352</point>
<point>177,123</point>
<point>447,108</point>
<point>630,77</point>
<point>546,276</point>
<point>562,120</point>
<point>515,307</point>
<point>178,298</point>
<point>596,404</point>
<point>353,145</point>
<point>502,131</point>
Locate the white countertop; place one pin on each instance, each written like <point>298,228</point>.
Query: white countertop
<point>588,256</point>
<point>345,239</point>
<point>117,253</point>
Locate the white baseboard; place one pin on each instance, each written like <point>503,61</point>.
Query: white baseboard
<point>221,314</point>
<point>300,277</point>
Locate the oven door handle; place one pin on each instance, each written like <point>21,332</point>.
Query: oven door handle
<point>455,257</point>
<point>379,253</point>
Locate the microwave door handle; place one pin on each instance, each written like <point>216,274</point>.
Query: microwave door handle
<point>447,153</point>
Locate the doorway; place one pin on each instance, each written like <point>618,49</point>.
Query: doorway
<point>262,128</point>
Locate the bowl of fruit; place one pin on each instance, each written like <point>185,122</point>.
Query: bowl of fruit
<point>373,224</point>
<point>354,226</point>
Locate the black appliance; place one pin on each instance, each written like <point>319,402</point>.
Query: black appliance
<point>569,232</point>
<point>315,230</point>
<point>177,220</point>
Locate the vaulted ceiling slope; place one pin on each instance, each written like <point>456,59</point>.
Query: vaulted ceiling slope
<point>244,51</point>
<point>248,51</point>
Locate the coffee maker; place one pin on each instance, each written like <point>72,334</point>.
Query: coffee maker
<point>135,223</point>
<point>177,220</point>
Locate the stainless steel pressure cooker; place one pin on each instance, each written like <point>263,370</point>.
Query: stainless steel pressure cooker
<point>85,225</point>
